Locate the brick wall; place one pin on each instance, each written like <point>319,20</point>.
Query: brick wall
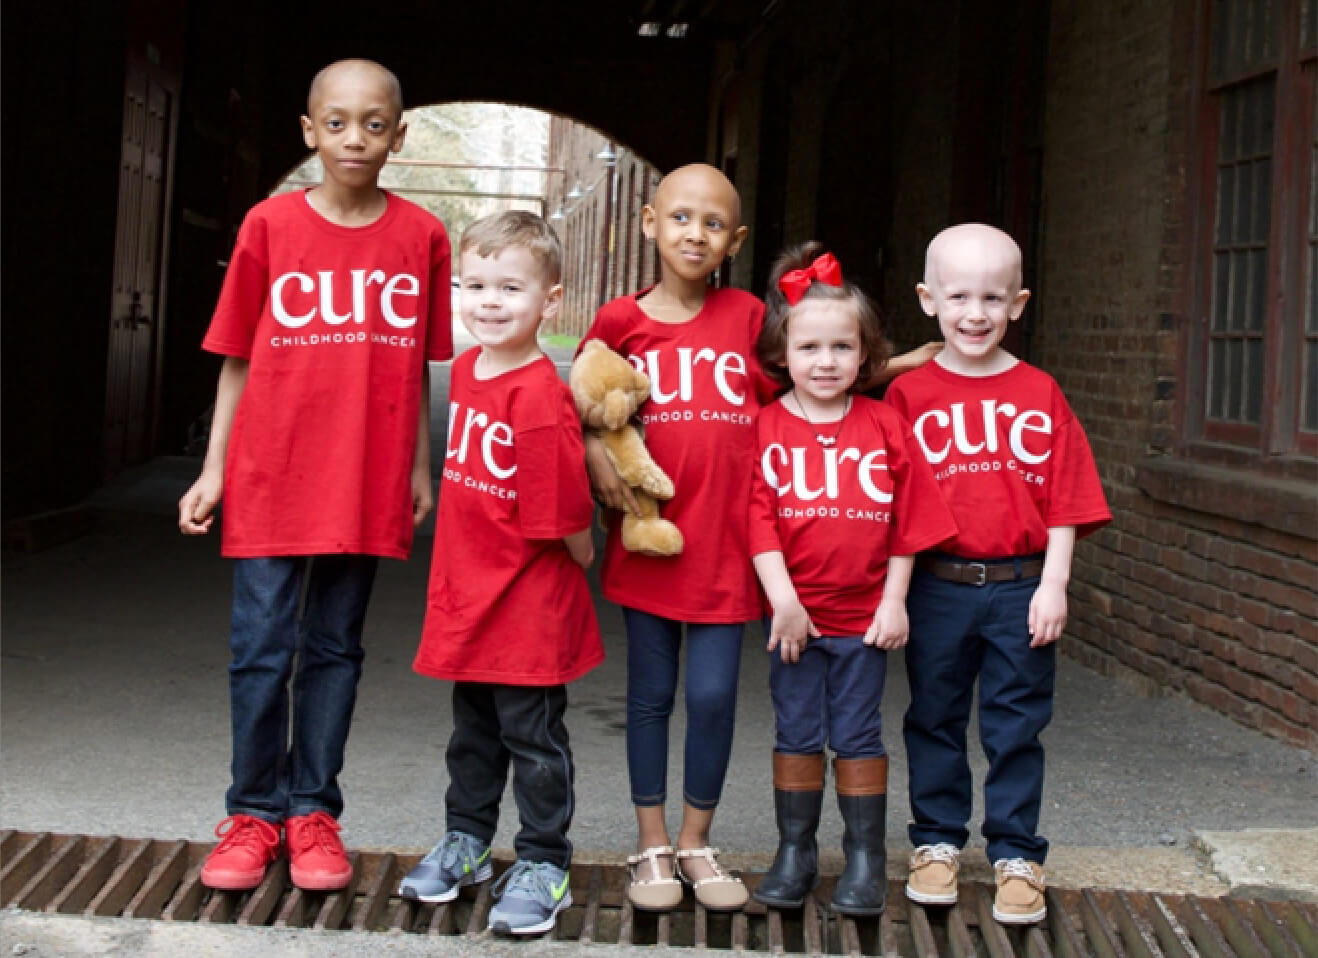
<point>1187,600</point>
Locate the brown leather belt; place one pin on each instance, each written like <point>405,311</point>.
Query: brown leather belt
<point>980,573</point>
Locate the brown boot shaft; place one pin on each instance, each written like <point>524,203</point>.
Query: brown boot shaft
<point>798,773</point>
<point>861,776</point>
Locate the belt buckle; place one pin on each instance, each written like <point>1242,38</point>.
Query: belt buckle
<point>980,570</point>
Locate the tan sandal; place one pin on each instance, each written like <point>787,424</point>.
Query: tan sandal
<point>655,893</point>
<point>720,891</point>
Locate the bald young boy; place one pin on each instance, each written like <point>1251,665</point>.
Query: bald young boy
<point>334,299</point>
<point>1015,469</point>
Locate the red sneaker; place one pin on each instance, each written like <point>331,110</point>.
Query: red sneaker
<point>317,861</point>
<point>247,846</point>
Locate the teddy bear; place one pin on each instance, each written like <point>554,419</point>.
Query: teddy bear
<point>608,390</point>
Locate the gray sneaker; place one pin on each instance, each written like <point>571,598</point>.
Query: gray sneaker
<point>459,859</point>
<point>531,896</point>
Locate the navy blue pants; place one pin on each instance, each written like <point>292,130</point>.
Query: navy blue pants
<point>298,618</point>
<point>960,634</point>
<point>713,660</point>
<point>831,695</point>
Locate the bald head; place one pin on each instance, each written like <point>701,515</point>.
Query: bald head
<point>703,180</point>
<point>359,73</point>
<point>976,245</point>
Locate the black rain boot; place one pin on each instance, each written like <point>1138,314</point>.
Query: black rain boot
<point>862,787</point>
<point>798,795</point>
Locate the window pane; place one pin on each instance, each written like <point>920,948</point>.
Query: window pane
<point>1261,201</point>
<point>1235,372</point>
<point>1228,134</point>
<point>1256,311</point>
<point>1245,212</point>
<point>1252,382</point>
<point>1308,14</point>
<point>1226,204</point>
<point>1217,380</point>
<point>1221,289</point>
<point>1239,296</point>
<point>1244,36</point>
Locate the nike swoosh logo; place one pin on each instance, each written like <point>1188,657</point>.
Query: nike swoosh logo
<point>560,889</point>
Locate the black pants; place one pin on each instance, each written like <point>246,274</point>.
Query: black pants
<point>493,724</point>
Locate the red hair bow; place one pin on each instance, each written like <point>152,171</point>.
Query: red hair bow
<point>825,269</point>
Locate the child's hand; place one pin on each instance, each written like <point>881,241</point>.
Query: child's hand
<point>791,629</point>
<point>423,496</point>
<point>605,483</point>
<point>890,628</point>
<point>1047,614</point>
<point>196,510</point>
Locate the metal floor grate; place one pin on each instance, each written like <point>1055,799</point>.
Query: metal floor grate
<point>154,879</point>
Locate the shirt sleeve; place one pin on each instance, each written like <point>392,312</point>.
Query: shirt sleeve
<point>763,511</point>
<point>921,519</point>
<point>553,491</point>
<point>1076,498</point>
<point>439,326</point>
<point>243,296</point>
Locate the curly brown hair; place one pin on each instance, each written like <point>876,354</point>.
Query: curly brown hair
<point>771,347</point>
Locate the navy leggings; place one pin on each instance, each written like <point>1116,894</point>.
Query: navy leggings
<point>713,660</point>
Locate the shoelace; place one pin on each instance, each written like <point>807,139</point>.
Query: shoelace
<point>526,876</point>
<point>319,829</point>
<point>942,852</point>
<point>1017,868</point>
<point>246,830</point>
<point>454,850</point>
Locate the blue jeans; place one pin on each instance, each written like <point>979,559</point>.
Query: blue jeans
<point>318,646</point>
<point>960,633</point>
<point>830,696</point>
<point>713,661</point>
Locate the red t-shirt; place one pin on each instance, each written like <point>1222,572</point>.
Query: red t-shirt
<point>705,390</point>
<point>837,514</point>
<point>337,323</point>
<point>1008,454</point>
<point>507,604</point>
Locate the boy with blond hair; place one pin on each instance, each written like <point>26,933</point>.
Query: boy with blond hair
<point>509,618</point>
<point>334,299</point>
<point>1015,468</point>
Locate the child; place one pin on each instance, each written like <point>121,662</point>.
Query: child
<point>697,345</point>
<point>1016,470</point>
<point>334,299</point>
<point>842,500</point>
<point>509,619</point>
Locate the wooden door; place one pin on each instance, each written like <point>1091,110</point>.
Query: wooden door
<point>137,298</point>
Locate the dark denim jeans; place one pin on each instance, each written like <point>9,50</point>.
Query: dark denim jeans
<point>298,618</point>
<point>831,696</point>
<point>960,633</point>
<point>713,662</point>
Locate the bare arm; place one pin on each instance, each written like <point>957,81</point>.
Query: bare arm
<point>423,496</point>
<point>907,361</point>
<point>890,628</point>
<point>791,626</point>
<point>196,510</point>
<point>1048,607</point>
<point>581,547</point>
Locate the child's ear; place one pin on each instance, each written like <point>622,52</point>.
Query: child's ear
<point>553,301</point>
<point>648,217</point>
<point>399,137</point>
<point>927,299</point>
<point>738,238</point>
<point>1018,304</point>
<point>308,132</point>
